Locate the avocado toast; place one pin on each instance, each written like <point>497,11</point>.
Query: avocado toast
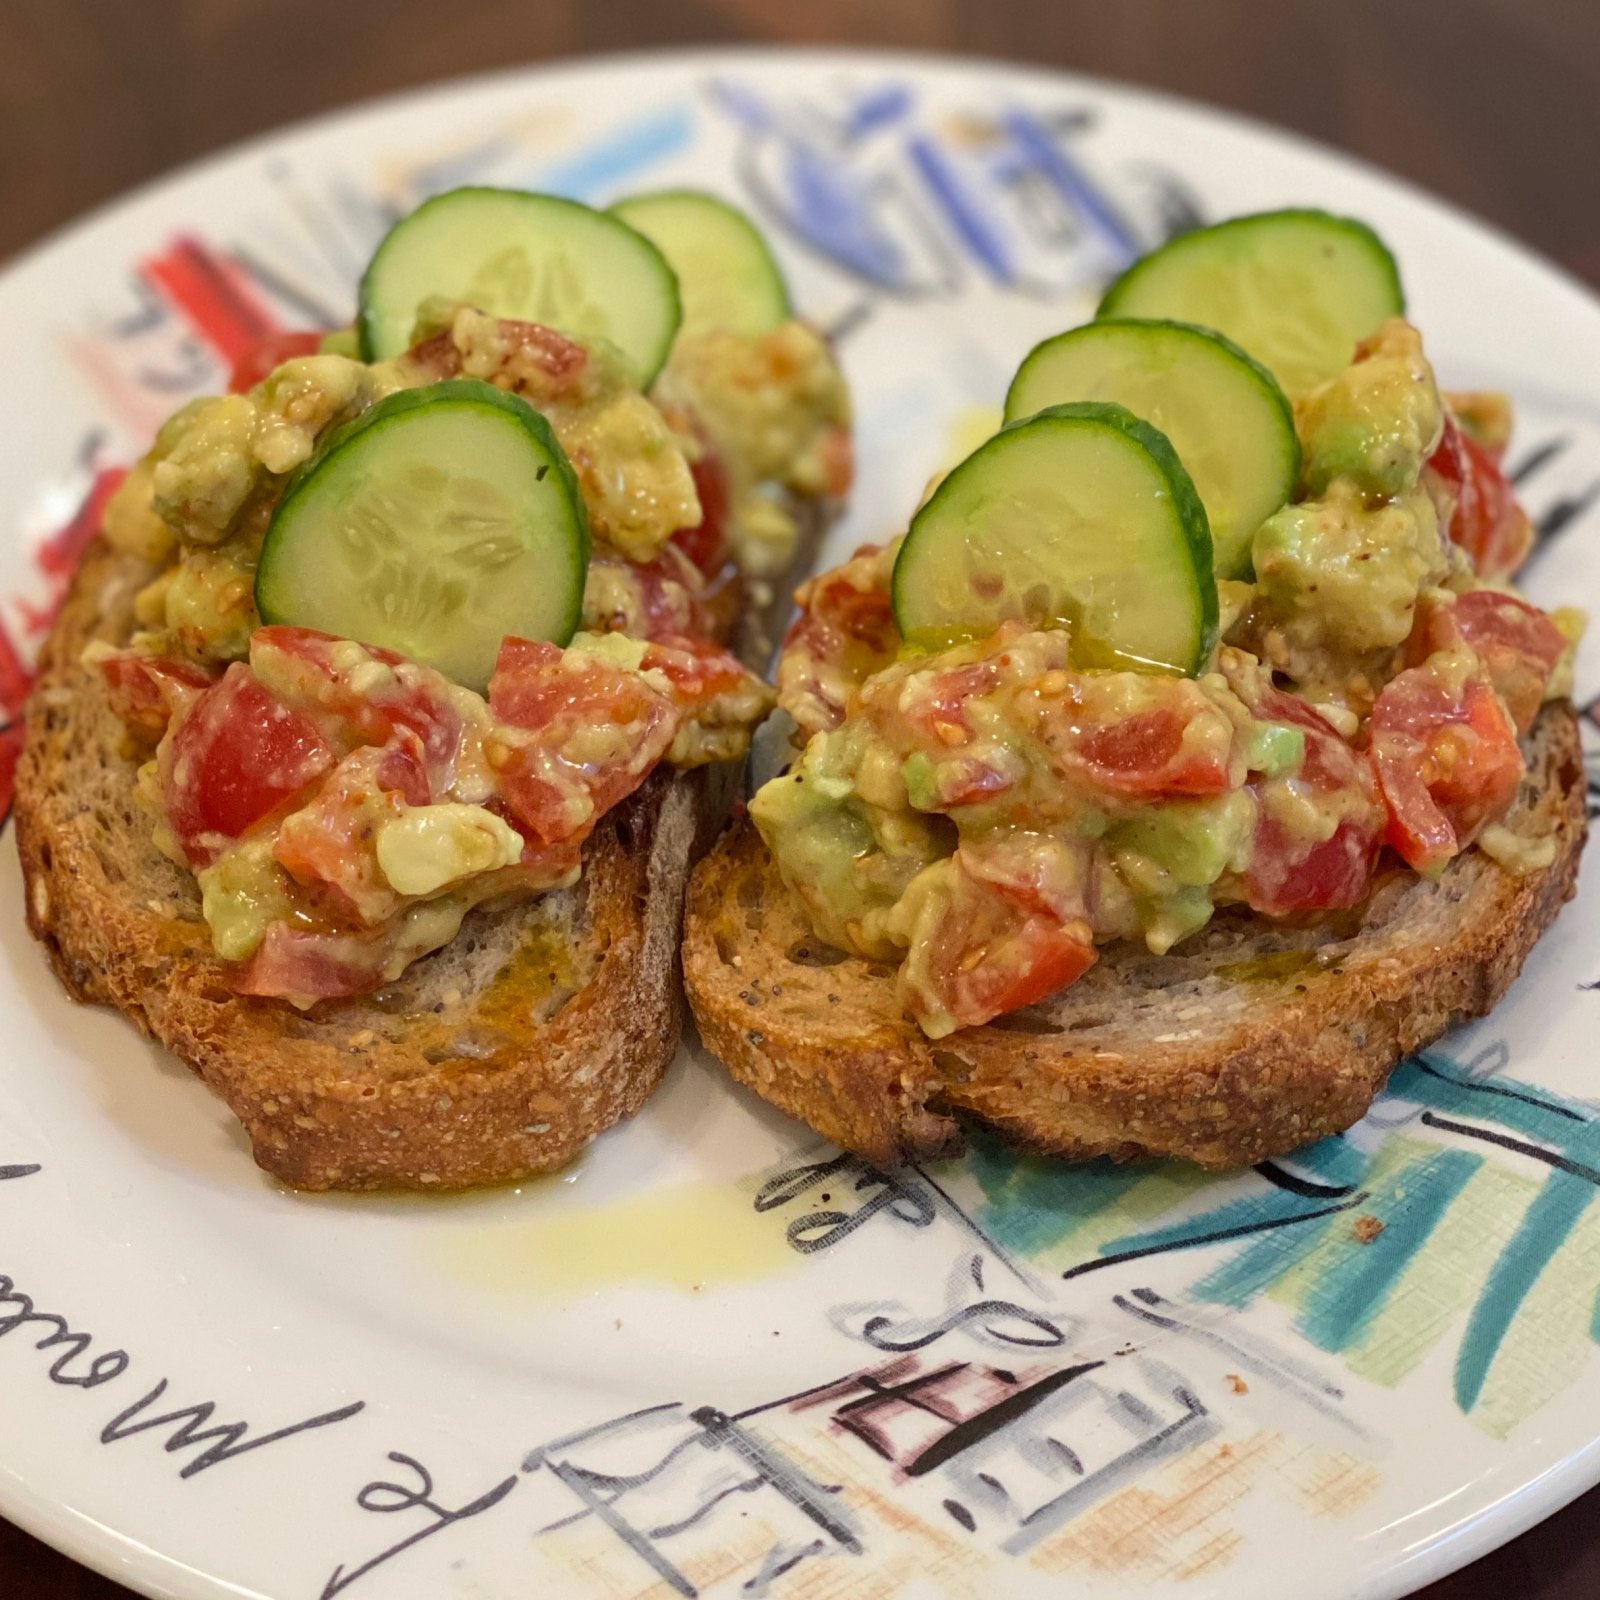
<point>366,759</point>
<point>1189,761</point>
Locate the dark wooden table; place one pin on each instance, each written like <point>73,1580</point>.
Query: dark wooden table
<point>1490,102</point>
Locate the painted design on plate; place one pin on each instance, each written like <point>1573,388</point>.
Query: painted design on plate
<point>1023,1412</point>
<point>915,206</point>
<point>1103,1365</point>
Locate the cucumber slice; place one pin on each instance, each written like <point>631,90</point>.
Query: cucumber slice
<point>726,274</point>
<point>534,257</point>
<point>1224,414</point>
<point>1080,514</point>
<point>435,524</point>
<point>1297,289</point>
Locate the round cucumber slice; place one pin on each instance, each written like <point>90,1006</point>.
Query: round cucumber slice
<point>1224,414</point>
<point>727,276</point>
<point>1297,289</point>
<point>434,524</point>
<point>1081,514</point>
<point>534,257</point>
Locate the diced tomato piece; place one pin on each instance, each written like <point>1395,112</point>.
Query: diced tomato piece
<point>1447,761</point>
<point>698,670</point>
<point>595,731</point>
<point>849,605</point>
<point>346,684</point>
<point>839,462</point>
<point>558,358</point>
<point>1486,521</point>
<point>1287,878</point>
<point>435,357</point>
<point>1140,735</point>
<point>309,964</point>
<point>1289,871</point>
<point>328,845</point>
<point>845,632</point>
<point>543,866</point>
<point>933,706</point>
<point>146,692</point>
<point>1002,925</point>
<point>645,599</point>
<point>265,358</point>
<point>1517,643</point>
<point>236,755</point>
<point>927,712</point>
<point>706,543</point>
<point>527,356</point>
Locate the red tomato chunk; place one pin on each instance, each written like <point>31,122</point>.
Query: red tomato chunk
<point>1447,761</point>
<point>238,755</point>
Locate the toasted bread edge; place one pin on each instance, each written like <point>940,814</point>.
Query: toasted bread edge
<point>329,1102</point>
<point>820,1035</point>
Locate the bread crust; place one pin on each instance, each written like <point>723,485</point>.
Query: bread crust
<point>1248,1041</point>
<point>502,1056</point>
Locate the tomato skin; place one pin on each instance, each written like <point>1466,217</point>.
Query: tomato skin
<point>1143,756</point>
<point>328,844</point>
<point>706,544</point>
<point>1447,761</point>
<point>599,732</point>
<point>310,964</point>
<point>845,632</point>
<point>236,756</point>
<point>698,669</point>
<point>558,358</point>
<point>1519,646</point>
<point>930,712</point>
<point>312,670</point>
<point>847,603</point>
<point>1486,520</point>
<point>1173,743</point>
<point>331,962</point>
<point>1288,875</point>
<point>838,453</point>
<point>645,599</point>
<point>146,692</point>
<point>265,358</point>
<point>1005,927</point>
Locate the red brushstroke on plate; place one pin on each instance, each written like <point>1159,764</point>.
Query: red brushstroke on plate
<point>212,295</point>
<point>56,558</point>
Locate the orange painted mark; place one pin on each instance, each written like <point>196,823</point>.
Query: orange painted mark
<point>1331,1483</point>
<point>1170,1521</point>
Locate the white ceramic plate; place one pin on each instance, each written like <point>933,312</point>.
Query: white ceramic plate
<point>714,1359</point>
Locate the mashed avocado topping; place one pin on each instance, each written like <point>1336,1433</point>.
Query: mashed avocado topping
<point>1339,572</point>
<point>343,808</point>
<point>769,412</point>
<point>985,817</point>
<point>777,413</point>
<point>1145,799</point>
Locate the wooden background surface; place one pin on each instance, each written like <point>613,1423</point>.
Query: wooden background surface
<point>1492,103</point>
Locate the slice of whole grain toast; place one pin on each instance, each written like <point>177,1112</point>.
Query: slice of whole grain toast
<point>501,1055</point>
<point>1250,1039</point>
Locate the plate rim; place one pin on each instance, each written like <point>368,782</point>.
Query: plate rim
<point>123,1558</point>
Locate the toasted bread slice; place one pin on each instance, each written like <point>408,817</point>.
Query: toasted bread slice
<point>500,1055</point>
<point>1248,1040</point>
